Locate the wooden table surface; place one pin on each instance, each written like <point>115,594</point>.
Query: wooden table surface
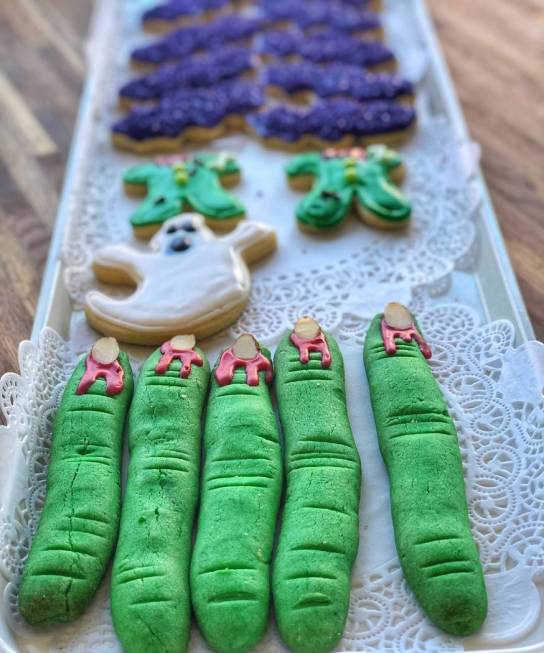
<point>494,49</point>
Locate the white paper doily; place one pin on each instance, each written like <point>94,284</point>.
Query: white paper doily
<point>493,389</point>
<point>494,393</point>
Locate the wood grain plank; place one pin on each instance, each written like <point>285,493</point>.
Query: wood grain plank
<point>495,51</point>
<point>41,73</point>
<point>19,116</point>
<point>43,25</point>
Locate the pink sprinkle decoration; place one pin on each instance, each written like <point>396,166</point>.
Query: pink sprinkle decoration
<point>357,153</point>
<point>171,159</point>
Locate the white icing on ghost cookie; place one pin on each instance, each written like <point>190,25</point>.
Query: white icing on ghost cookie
<point>190,281</point>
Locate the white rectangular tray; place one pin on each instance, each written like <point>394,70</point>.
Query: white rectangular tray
<point>451,267</point>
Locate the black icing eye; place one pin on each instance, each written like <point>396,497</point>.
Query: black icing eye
<point>172,229</point>
<point>188,226</point>
<point>180,244</point>
<point>160,200</point>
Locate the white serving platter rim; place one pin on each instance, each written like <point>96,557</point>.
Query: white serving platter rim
<point>503,284</point>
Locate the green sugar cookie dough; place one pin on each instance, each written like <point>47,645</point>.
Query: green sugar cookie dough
<point>80,518</point>
<point>150,596</point>
<point>419,445</point>
<point>241,487</point>
<point>319,533</point>
<point>196,184</point>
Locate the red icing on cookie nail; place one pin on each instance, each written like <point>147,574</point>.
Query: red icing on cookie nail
<point>188,357</point>
<point>229,362</point>
<point>112,373</point>
<point>389,334</point>
<point>316,344</point>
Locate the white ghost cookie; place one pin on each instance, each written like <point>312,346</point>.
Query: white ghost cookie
<point>190,281</point>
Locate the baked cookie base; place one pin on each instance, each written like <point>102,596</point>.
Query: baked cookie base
<point>304,183</point>
<point>310,142</point>
<point>161,144</point>
<point>126,104</point>
<point>160,26</point>
<point>367,217</point>
<point>234,124</point>
<point>208,325</point>
<point>217,224</point>
<point>307,96</point>
<point>390,66</point>
<point>141,66</point>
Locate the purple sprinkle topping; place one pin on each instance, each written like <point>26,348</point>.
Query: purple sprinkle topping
<point>191,107</point>
<point>182,42</point>
<point>337,79</point>
<point>280,43</point>
<point>179,8</point>
<point>191,73</point>
<point>326,47</point>
<point>325,13</point>
<point>329,120</point>
<point>360,4</point>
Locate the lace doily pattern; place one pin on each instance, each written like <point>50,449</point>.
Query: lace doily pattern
<point>494,395</point>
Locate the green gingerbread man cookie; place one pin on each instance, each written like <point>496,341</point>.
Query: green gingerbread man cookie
<point>196,184</point>
<point>342,179</point>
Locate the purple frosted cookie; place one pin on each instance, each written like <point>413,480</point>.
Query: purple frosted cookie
<point>327,47</point>
<point>182,42</point>
<point>336,80</point>
<point>180,111</point>
<point>328,121</point>
<point>194,72</point>
<point>279,43</point>
<point>176,10</point>
<point>322,13</point>
<point>375,5</point>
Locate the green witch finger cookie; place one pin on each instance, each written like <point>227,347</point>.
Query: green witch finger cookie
<point>319,534</point>
<point>241,487</point>
<point>79,522</point>
<point>340,180</point>
<point>196,184</point>
<point>150,597</point>
<point>418,441</point>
